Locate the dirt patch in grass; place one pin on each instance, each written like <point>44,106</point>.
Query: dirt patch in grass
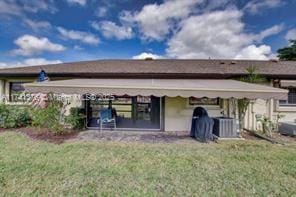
<point>44,134</point>
<point>127,136</point>
<point>284,138</point>
<point>136,136</point>
<point>249,136</point>
<point>276,136</point>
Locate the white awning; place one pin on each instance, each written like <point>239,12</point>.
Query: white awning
<point>160,87</point>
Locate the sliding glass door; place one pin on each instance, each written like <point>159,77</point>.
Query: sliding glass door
<point>138,112</point>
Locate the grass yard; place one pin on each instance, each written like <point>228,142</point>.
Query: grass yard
<point>236,168</point>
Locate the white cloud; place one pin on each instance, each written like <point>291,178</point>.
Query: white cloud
<point>145,55</point>
<point>269,32</point>
<point>30,45</point>
<point>262,52</point>
<point>156,21</point>
<point>40,61</point>
<point>111,30</point>
<point>209,5</point>
<point>35,6</point>
<point>79,2</point>
<point>126,18</point>
<point>37,25</point>
<point>85,37</point>
<point>29,62</point>
<point>291,34</point>
<point>18,8</point>
<point>3,65</point>
<point>101,12</point>
<point>77,47</point>
<point>218,34</point>
<point>256,6</point>
<point>7,7</point>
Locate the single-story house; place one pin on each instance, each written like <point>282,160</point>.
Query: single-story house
<point>160,95</point>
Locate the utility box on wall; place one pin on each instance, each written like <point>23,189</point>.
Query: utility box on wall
<point>225,127</point>
<point>287,128</point>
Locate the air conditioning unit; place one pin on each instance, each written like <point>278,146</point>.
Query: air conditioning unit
<point>287,128</point>
<point>226,127</point>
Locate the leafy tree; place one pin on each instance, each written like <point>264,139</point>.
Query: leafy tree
<point>49,117</point>
<point>289,52</point>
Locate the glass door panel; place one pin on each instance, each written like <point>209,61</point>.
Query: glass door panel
<point>123,106</point>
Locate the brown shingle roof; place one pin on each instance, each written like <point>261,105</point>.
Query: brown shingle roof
<point>168,68</point>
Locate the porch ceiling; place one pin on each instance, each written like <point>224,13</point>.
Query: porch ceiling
<point>160,87</point>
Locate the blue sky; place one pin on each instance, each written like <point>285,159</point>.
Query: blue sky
<point>51,31</point>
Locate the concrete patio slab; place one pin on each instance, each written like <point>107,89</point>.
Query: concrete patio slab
<point>136,136</point>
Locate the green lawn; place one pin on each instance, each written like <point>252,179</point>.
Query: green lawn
<point>236,168</point>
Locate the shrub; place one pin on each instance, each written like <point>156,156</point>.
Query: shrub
<point>14,116</point>
<point>76,118</point>
<point>48,117</point>
<point>21,115</point>
<point>267,125</point>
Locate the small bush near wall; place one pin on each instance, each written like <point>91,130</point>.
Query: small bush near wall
<point>49,117</point>
<point>12,116</point>
<point>76,118</point>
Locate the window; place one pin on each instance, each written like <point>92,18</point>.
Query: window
<point>291,98</point>
<point>203,101</point>
<point>15,91</point>
<point>143,108</point>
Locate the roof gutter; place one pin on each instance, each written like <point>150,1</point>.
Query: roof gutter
<point>146,75</point>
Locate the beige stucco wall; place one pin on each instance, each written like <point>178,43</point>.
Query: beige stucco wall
<point>178,113</point>
<point>257,107</point>
<point>289,113</point>
<point>269,108</point>
<point>4,85</point>
<point>72,103</point>
<point>288,116</point>
<point>2,90</point>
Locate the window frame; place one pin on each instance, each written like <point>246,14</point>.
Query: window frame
<point>287,104</point>
<point>10,96</point>
<point>218,102</point>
